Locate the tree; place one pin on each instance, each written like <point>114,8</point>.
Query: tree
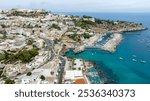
<point>84,16</point>
<point>56,26</point>
<point>42,77</point>
<point>27,55</point>
<point>9,81</point>
<point>52,72</point>
<point>29,74</point>
<point>30,41</point>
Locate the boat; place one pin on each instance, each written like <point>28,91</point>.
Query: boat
<point>134,60</point>
<point>142,61</point>
<point>121,58</point>
<point>134,56</point>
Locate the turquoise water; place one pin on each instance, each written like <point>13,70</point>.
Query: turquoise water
<point>94,78</point>
<point>124,71</point>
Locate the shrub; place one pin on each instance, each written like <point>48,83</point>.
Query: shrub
<point>56,26</point>
<point>9,81</point>
<point>29,74</point>
<point>30,41</point>
<point>42,77</point>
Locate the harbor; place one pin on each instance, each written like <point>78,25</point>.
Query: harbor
<point>130,63</point>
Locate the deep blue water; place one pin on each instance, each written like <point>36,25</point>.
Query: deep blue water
<point>134,43</point>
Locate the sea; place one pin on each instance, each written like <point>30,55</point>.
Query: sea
<point>130,64</point>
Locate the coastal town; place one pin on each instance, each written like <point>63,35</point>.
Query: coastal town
<point>33,44</point>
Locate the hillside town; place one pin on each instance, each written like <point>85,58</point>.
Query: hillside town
<point>33,44</point>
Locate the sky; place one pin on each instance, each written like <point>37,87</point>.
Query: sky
<point>79,5</point>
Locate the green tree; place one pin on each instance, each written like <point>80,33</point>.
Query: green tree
<point>30,41</point>
<point>27,55</point>
<point>9,81</point>
<point>56,26</point>
<point>29,74</point>
<point>42,77</point>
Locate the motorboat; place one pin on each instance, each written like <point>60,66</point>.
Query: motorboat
<point>134,60</point>
<point>142,61</point>
<point>121,58</point>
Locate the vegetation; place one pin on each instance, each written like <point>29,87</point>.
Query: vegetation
<point>52,73</point>
<point>85,24</point>
<point>56,26</point>
<point>29,74</point>
<point>73,68</point>
<point>23,55</point>
<point>86,35</point>
<point>1,73</point>
<point>56,41</point>
<point>26,55</point>
<point>85,16</point>
<point>15,12</point>
<point>42,77</point>
<point>2,56</point>
<point>79,68</point>
<point>9,81</point>
<point>77,37</point>
<point>30,41</point>
<point>99,21</point>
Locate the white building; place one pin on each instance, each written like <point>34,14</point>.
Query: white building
<point>73,74</point>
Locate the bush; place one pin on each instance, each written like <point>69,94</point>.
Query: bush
<point>86,36</point>
<point>73,68</point>
<point>27,55</point>
<point>1,73</point>
<point>85,24</point>
<point>9,81</point>
<point>2,57</point>
<point>75,37</point>
<point>24,55</point>
<point>84,16</point>
<point>29,74</point>
<point>56,26</point>
<point>42,77</point>
<point>30,41</point>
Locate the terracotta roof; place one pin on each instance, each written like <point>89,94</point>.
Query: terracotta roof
<point>80,81</point>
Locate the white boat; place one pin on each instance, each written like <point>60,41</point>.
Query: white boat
<point>134,60</point>
<point>121,58</point>
<point>134,56</point>
<point>142,61</point>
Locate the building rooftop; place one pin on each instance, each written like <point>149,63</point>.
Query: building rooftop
<point>80,81</point>
<point>72,74</point>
